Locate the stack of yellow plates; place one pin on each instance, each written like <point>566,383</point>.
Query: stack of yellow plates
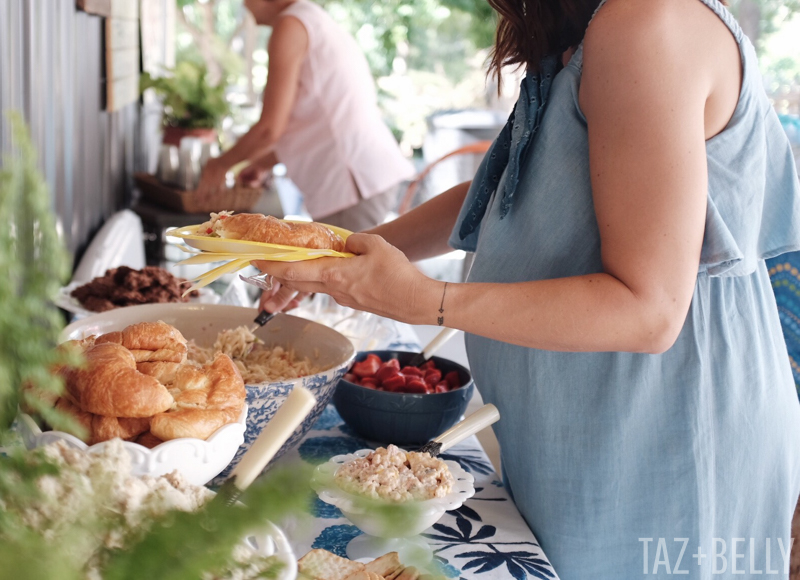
<point>237,254</point>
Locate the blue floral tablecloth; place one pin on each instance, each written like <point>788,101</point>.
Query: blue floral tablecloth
<point>486,538</point>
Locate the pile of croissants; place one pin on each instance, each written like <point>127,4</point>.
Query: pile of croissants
<point>138,385</point>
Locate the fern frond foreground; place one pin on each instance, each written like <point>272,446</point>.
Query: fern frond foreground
<point>56,522</point>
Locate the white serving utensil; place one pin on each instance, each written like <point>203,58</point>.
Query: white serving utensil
<point>291,414</point>
<point>433,346</point>
<point>479,420</point>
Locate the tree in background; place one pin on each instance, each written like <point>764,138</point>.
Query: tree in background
<point>426,55</point>
<point>213,26</point>
<point>428,34</point>
<point>761,18</point>
<point>767,23</point>
<point>424,34</point>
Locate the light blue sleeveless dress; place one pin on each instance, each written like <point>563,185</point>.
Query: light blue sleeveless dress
<point>626,465</point>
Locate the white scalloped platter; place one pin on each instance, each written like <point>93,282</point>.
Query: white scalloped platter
<point>198,460</point>
<point>65,300</point>
<point>271,541</point>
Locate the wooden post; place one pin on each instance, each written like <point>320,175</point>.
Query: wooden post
<point>99,7</point>
<point>122,54</point>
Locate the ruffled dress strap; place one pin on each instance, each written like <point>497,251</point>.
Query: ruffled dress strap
<point>753,210</point>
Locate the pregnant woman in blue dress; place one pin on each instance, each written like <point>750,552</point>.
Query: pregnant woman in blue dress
<point>619,312</point>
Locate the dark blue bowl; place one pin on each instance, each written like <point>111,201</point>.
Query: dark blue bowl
<point>402,418</point>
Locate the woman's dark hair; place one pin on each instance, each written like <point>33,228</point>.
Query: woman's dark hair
<point>529,30</point>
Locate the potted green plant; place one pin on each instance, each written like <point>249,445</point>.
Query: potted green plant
<point>192,106</point>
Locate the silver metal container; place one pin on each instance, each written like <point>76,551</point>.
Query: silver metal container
<point>189,164</point>
<point>168,164</point>
<point>207,151</point>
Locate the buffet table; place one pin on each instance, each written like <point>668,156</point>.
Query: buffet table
<point>486,538</point>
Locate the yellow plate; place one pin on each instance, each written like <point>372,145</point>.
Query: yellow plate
<point>263,251</point>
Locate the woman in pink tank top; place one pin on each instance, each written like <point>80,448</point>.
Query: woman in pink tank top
<point>320,119</point>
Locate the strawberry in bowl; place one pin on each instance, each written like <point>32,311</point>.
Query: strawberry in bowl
<point>374,373</point>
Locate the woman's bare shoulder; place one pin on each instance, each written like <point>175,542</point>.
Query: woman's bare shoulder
<point>288,33</point>
<point>633,44</point>
<point>645,24</point>
<point>643,27</point>
<point>679,45</point>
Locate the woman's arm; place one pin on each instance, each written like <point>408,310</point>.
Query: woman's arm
<point>646,114</point>
<point>256,173</point>
<point>265,161</point>
<point>423,232</point>
<point>287,49</point>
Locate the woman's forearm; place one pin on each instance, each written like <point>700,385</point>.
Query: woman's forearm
<point>255,145</point>
<point>423,232</point>
<point>595,312</point>
<point>266,161</point>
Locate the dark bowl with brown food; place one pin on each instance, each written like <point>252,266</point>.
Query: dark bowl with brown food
<point>385,401</point>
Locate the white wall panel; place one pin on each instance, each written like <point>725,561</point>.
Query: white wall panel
<point>51,69</point>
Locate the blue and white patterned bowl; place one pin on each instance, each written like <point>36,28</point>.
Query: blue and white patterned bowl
<point>327,349</point>
<point>264,400</point>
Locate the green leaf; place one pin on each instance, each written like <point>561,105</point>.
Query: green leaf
<point>35,264</point>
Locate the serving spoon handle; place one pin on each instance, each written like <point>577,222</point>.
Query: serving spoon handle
<point>262,318</point>
<point>479,420</point>
<point>294,410</point>
<point>433,346</point>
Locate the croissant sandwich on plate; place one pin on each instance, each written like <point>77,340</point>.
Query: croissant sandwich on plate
<point>255,227</point>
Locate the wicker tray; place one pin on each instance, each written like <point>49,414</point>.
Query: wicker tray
<point>234,199</point>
